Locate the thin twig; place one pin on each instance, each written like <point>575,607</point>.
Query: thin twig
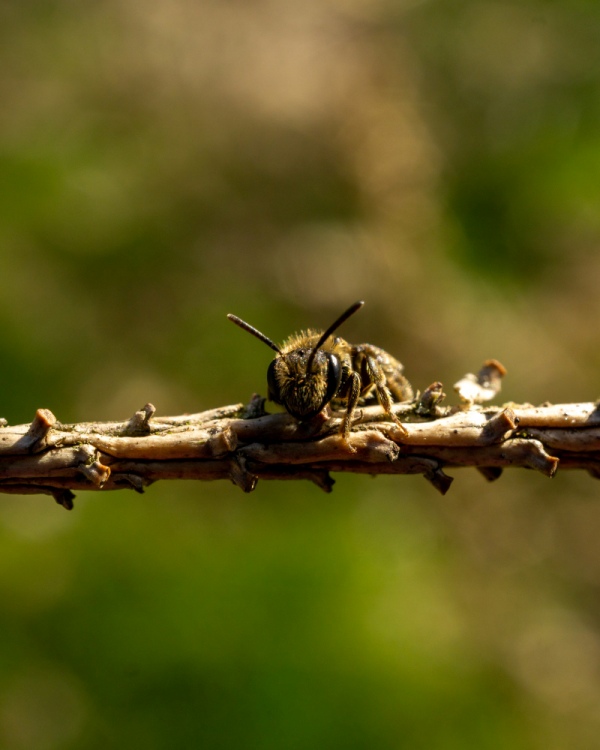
<point>244,444</point>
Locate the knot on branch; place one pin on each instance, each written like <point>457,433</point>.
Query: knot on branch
<point>35,439</point>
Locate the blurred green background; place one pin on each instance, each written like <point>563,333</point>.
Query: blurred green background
<point>167,162</point>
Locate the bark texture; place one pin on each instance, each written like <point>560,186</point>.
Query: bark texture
<point>244,444</point>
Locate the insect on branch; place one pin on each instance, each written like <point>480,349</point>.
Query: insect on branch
<point>349,409</point>
<point>244,444</point>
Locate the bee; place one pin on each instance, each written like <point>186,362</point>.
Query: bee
<point>313,369</point>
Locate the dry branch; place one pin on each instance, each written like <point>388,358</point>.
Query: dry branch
<point>243,444</point>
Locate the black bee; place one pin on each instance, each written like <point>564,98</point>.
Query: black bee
<point>313,369</point>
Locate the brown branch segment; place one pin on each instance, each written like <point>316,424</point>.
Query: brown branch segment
<point>243,444</point>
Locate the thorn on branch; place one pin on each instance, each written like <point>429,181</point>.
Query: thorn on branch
<point>222,442</point>
<point>432,397</point>
<point>255,408</point>
<point>491,473</point>
<point>497,427</point>
<point>320,477</point>
<point>531,453</point>
<point>439,479</point>
<point>139,423</point>
<point>96,472</point>
<point>35,440</point>
<point>64,498</point>
<point>135,480</point>
<point>240,476</point>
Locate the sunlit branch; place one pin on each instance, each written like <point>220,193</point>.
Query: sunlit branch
<point>244,444</point>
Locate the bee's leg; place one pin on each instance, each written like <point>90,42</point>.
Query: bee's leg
<point>378,377</point>
<point>377,366</point>
<point>353,396</point>
<point>398,385</point>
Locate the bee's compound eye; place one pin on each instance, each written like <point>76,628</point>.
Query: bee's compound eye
<point>334,377</point>
<point>274,392</point>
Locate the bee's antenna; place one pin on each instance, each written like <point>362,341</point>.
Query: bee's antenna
<point>254,331</point>
<point>343,317</point>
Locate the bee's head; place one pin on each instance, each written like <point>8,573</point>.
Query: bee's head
<point>303,380</point>
<point>304,392</point>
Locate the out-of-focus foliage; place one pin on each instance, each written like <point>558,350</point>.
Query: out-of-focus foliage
<point>164,163</point>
